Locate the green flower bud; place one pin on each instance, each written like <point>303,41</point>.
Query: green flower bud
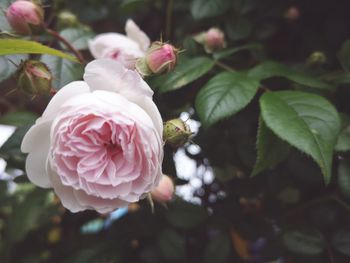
<point>176,132</point>
<point>34,77</point>
<point>317,58</point>
<point>67,19</point>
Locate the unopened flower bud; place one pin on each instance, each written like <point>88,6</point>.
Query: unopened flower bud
<point>213,39</point>
<point>164,191</point>
<point>316,58</point>
<point>67,19</point>
<point>34,77</point>
<point>25,17</point>
<point>176,132</point>
<point>161,57</point>
<point>292,14</point>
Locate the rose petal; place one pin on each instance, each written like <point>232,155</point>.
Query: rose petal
<point>100,43</point>
<point>106,74</point>
<point>70,90</point>
<point>136,34</point>
<point>38,138</point>
<point>65,193</point>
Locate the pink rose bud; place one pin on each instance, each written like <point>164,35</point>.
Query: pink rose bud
<point>214,39</point>
<point>292,14</point>
<point>34,77</point>
<point>164,191</point>
<point>176,132</point>
<point>161,57</point>
<point>25,17</point>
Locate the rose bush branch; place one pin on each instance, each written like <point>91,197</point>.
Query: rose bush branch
<point>60,38</point>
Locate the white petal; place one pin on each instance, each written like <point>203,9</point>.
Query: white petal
<point>106,74</point>
<point>150,107</point>
<point>37,143</point>
<point>136,34</point>
<point>70,90</point>
<point>108,41</point>
<point>65,193</point>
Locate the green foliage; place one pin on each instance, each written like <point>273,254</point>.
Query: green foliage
<point>185,215</point>
<point>21,46</point>
<point>304,241</point>
<point>203,9</point>
<point>220,243</point>
<point>270,69</point>
<point>186,72</point>
<point>341,240</point>
<point>259,99</point>
<point>78,37</point>
<point>344,178</point>
<point>224,95</point>
<point>63,71</point>
<point>343,143</point>
<point>306,121</point>
<point>8,65</point>
<point>271,149</point>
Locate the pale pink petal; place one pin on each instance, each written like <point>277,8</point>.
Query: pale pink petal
<point>136,34</point>
<point>65,193</point>
<point>70,90</point>
<point>37,138</point>
<point>106,74</point>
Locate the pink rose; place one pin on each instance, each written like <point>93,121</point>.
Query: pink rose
<point>124,49</point>
<point>99,142</point>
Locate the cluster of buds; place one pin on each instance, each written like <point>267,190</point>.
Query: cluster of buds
<point>176,132</point>
<point>212,40</point>
<point>25,17</point>
<point>160,58</point>
<point>34,77</point>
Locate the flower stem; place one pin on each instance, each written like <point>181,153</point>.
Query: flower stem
<point>169,13</point>
<point>224,66</point>
<point>56,35</point>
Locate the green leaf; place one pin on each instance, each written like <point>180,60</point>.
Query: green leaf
<point>203,8</point>
<point>306,121</point>
<point>231,51</point>
<point>271,149</point>
<point>63,71</point>
<point>341,240</point>
<point>220,243</point>
<point>25,215</point>
<point>78,37</point>
<point>344,55</point>
<point>224,95</point>
<point>304,241</point>
<point>21,46</point>
<point>238,27</point>
<point>186,72</point>
<point>171,245</point>
<point>18,118</point>
<point>344,177</point>
<point>270,69</point>
<point>185,215</point>
<point>343,143</point>
<point>7,68</point>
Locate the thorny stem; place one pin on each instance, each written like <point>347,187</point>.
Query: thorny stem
<point>224,66</point>
<point>169,13</point>
<point>56,35</point>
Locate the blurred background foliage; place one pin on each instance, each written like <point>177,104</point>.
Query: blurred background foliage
<point>221,213</point>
